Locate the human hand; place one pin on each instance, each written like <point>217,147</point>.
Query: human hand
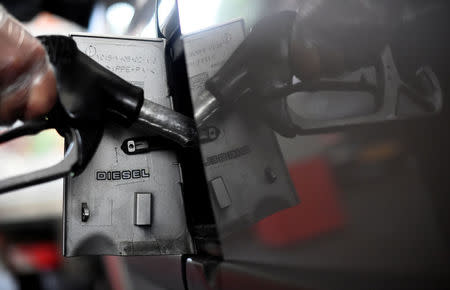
<point>27,81</point>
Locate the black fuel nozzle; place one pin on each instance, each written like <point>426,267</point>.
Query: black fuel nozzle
<point>88,96</point>
<point>88,92</point>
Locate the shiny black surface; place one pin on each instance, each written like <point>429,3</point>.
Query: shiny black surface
<point>374,198</point>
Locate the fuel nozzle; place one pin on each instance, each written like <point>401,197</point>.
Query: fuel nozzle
<point>89,94</point>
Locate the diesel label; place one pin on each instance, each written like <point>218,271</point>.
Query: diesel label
<point>122,174</point>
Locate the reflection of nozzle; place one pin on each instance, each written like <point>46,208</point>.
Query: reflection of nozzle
<point>258,67</point>
<point>259,76</point>
<point>205,106</point>
<point>231,83</point>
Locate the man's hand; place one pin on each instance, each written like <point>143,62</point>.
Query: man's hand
<point>27,81</point>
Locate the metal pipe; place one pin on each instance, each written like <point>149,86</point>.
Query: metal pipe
<point>168,123</point>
